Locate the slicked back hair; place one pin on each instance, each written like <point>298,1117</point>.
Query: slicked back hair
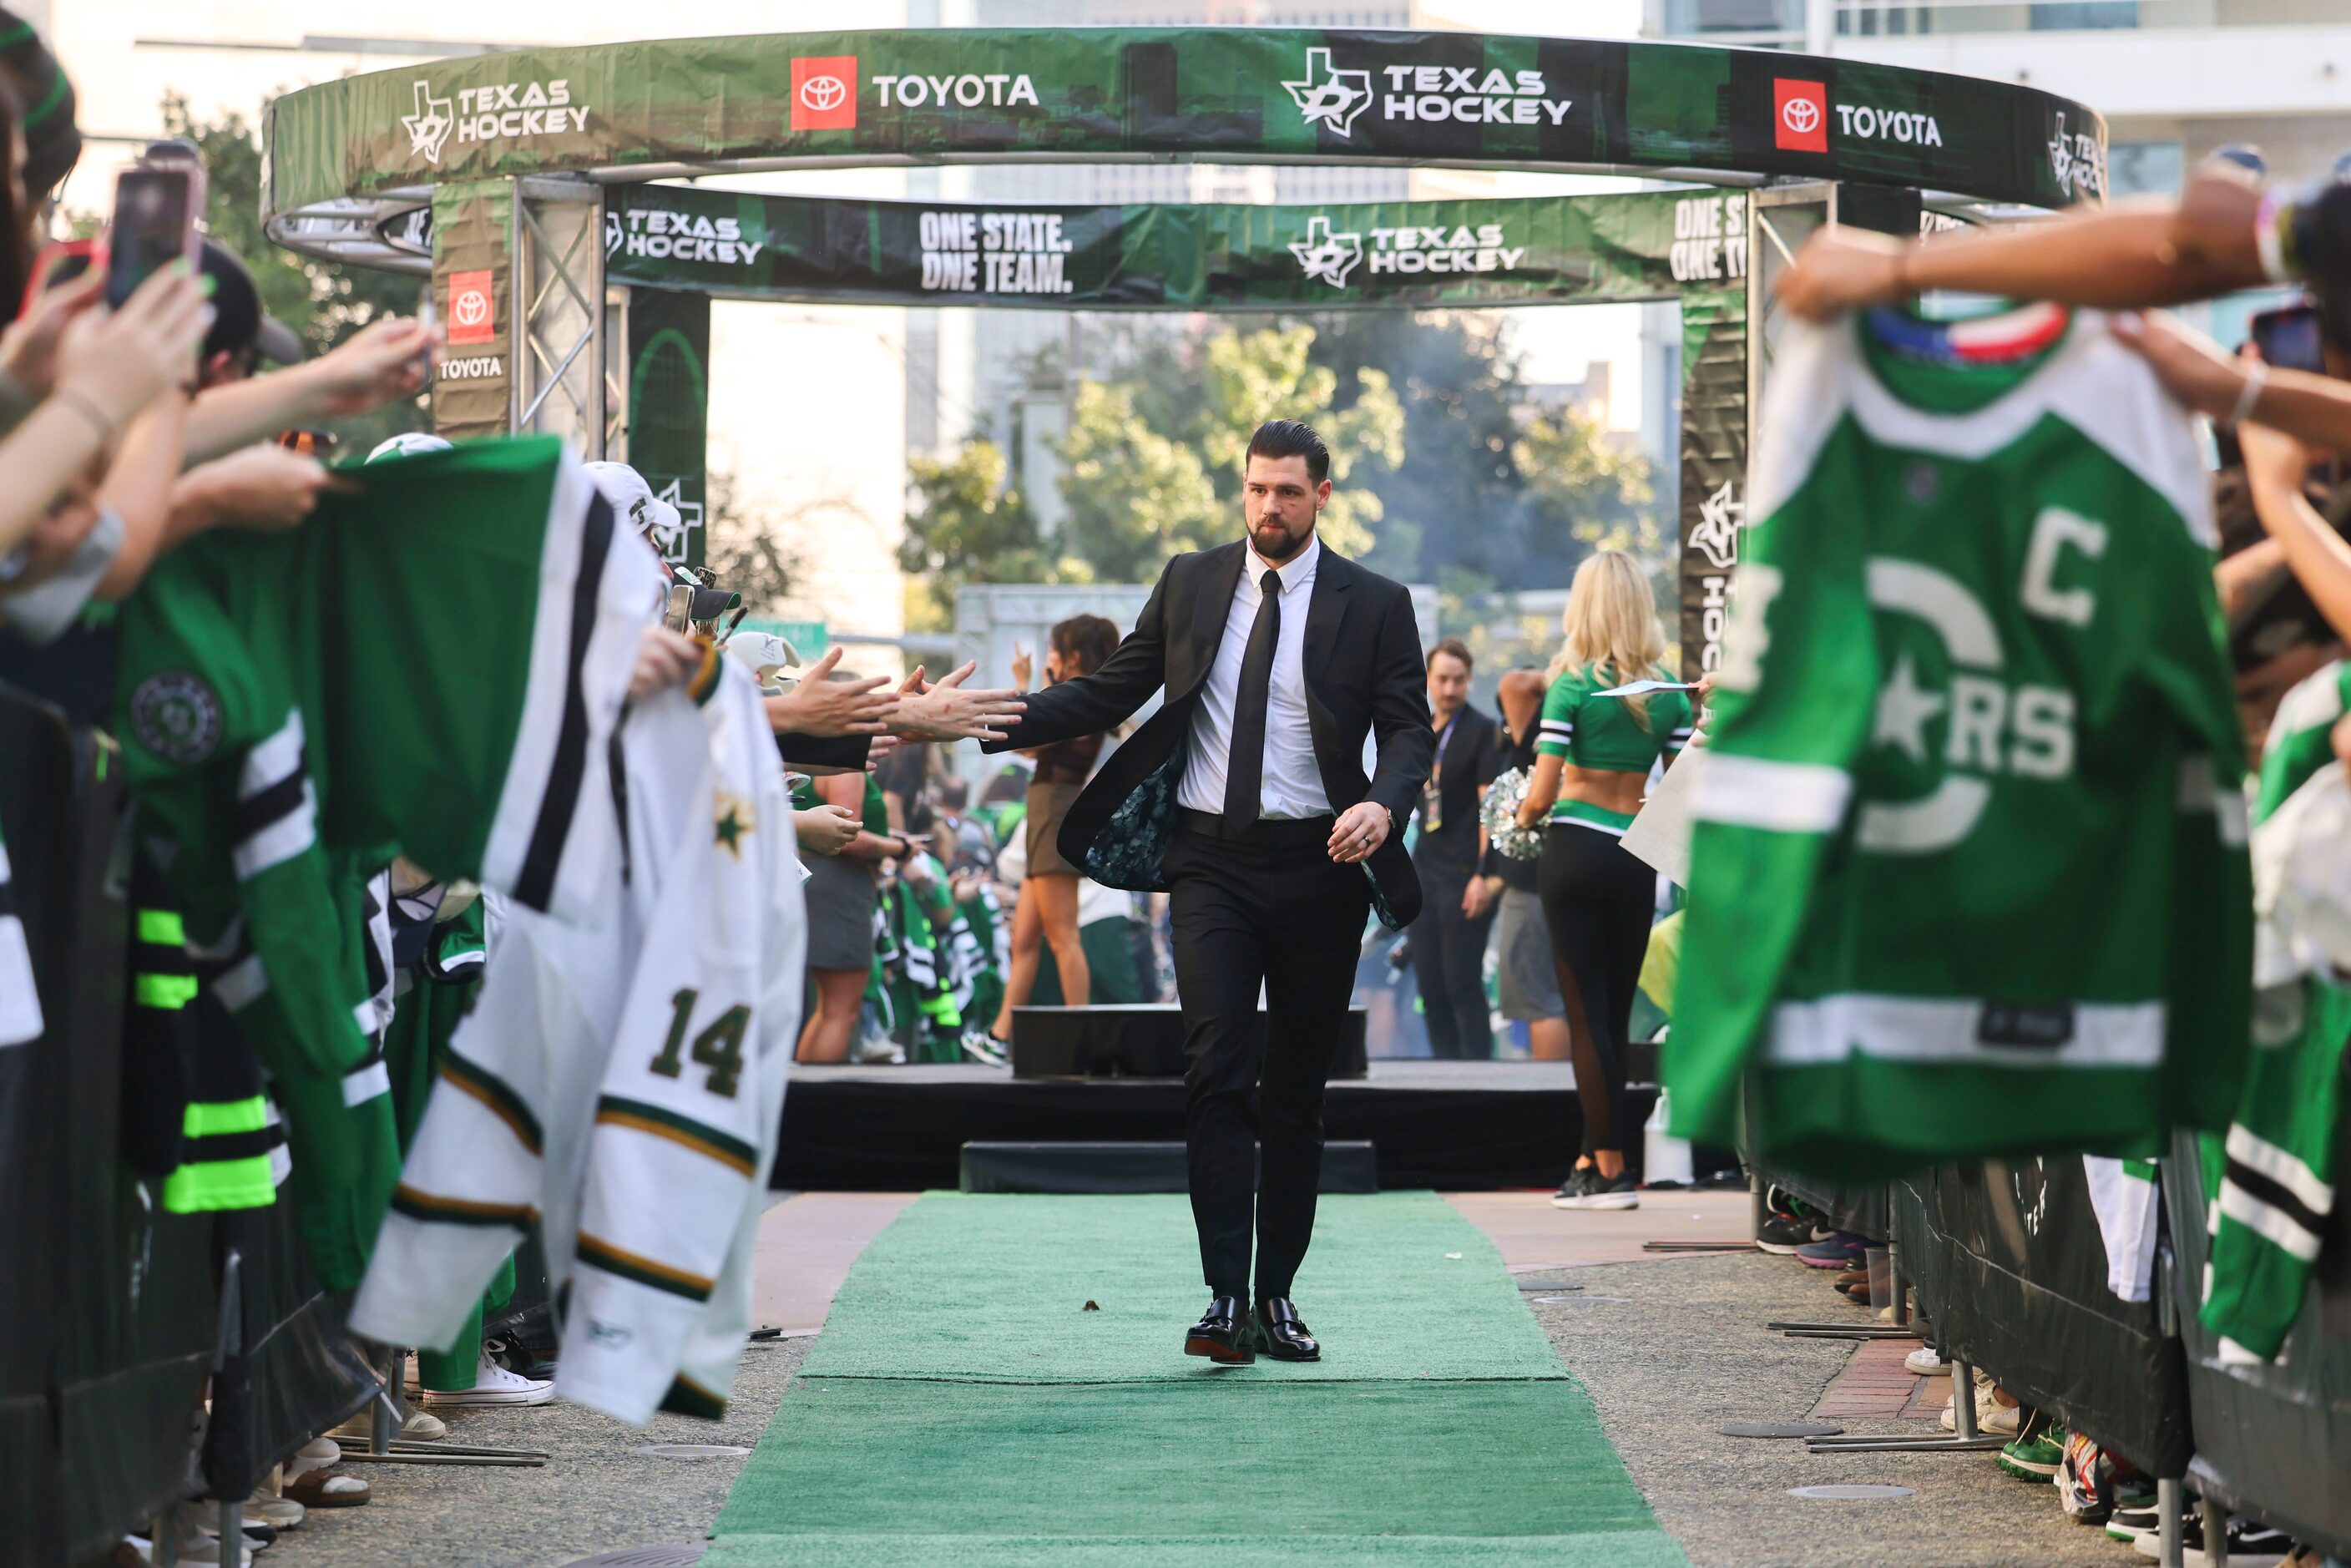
<point>1289,438</point>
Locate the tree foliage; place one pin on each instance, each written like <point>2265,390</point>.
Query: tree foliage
<point>1154,451</point>
<point>1602,491</point>
<point>967,526</point>
<point>1135,495</point>
<point>1439,474</point>
<point>325,303</point>
<point>1456,502</point>
<point>749,548</point>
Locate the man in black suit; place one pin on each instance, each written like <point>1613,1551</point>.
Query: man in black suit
<point>1245,798</point>
<point>1448,940</point>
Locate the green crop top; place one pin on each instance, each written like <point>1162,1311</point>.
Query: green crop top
<point>1601,732</point>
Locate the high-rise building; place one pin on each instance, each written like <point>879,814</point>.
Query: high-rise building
<point>2175,80</point>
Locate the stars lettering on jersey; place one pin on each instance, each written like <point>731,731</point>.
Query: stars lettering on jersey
<point>1905,708</point>
<point>735,822</point>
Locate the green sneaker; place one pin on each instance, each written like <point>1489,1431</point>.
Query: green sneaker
<point>2037,1452</point>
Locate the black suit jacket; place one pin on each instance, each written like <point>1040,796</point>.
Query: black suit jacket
<point>1363,674</point>
<point>846,752</point>
<point>1451,854</point>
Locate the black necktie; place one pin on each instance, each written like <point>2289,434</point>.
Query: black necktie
<point>1245,767</point>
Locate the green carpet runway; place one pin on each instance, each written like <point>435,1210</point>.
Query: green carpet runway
<point>962,1407</point>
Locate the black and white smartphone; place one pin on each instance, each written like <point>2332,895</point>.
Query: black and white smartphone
<point>155,208</point>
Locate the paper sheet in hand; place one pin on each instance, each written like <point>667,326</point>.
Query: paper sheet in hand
<point>1660,834</point>
<point>1642,688</point>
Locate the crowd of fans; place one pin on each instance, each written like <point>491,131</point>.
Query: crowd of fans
<point>934,915</point>
<point>126,431</point>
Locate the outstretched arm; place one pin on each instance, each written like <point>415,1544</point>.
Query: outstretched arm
<point>2124,257</point>
<point>1092,703</point>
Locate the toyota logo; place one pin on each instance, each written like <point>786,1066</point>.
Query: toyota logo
<point>1801,115</point>
<point>470,309</point>
<point>821,94</point>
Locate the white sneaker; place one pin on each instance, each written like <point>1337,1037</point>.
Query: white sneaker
<point>1926,1361</point>
<point>416,1426</point>
<point>1987,1407</point>
<point>2002,1422</point>
<point>876,1050</point>
<point>197,1544</point>
<point>494,1384</point>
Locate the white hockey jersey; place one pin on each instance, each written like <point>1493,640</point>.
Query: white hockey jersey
<point>20,1000</point>
<point>624,1086</point>
<point>2123,1194</point>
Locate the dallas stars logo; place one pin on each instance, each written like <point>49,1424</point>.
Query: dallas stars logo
<point>1328,97</point>
<point>673,543</point>
<point>1326,256</point>
<point>1905,708</point>
<point>1717,534</point>
<point>428,129</point>
<point>733,820</point>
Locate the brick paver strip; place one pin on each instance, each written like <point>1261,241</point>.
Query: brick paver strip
<point>1875,1386</point>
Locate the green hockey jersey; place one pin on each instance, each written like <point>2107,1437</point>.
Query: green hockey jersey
<point>1968,872</point>
<point>2301,734</point>
<point>279,727</point>
<point>2269,1183</point>
<point>920,979</point>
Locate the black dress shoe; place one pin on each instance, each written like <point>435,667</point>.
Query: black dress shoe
<point>1222,1334</point>
<point>1281,1333</point>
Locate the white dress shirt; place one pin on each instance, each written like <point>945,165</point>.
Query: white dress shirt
<point>1290,781</point>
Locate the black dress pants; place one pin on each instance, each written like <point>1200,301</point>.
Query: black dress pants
<point>1268,907</point>
<point>1448,962</point>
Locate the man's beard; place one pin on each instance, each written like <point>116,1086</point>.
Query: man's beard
<point>1275,543</point>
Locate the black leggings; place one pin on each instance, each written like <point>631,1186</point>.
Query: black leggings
<point>1598,903</point>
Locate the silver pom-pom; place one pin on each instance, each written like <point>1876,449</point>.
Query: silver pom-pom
<point>1501,814</point>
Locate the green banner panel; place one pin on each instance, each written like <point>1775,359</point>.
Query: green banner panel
<point>472,290</point>
<point>669,409</point>
<point>1569,250</point>
<point>1713,469</point>
<point>1230,94</point>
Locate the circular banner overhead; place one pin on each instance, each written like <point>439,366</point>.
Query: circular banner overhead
<point>740,245</point>
<point>671,107</point>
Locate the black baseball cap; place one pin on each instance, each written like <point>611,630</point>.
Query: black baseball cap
<point>239,323</point>
<point>236,303</point>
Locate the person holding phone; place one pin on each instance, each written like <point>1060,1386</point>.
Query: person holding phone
<point>1592,756</point>
<point>108,367</point>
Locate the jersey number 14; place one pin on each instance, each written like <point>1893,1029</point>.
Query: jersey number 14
<point>719,1047</point>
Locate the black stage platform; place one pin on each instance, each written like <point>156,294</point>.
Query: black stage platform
<point>1455,1125</point>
